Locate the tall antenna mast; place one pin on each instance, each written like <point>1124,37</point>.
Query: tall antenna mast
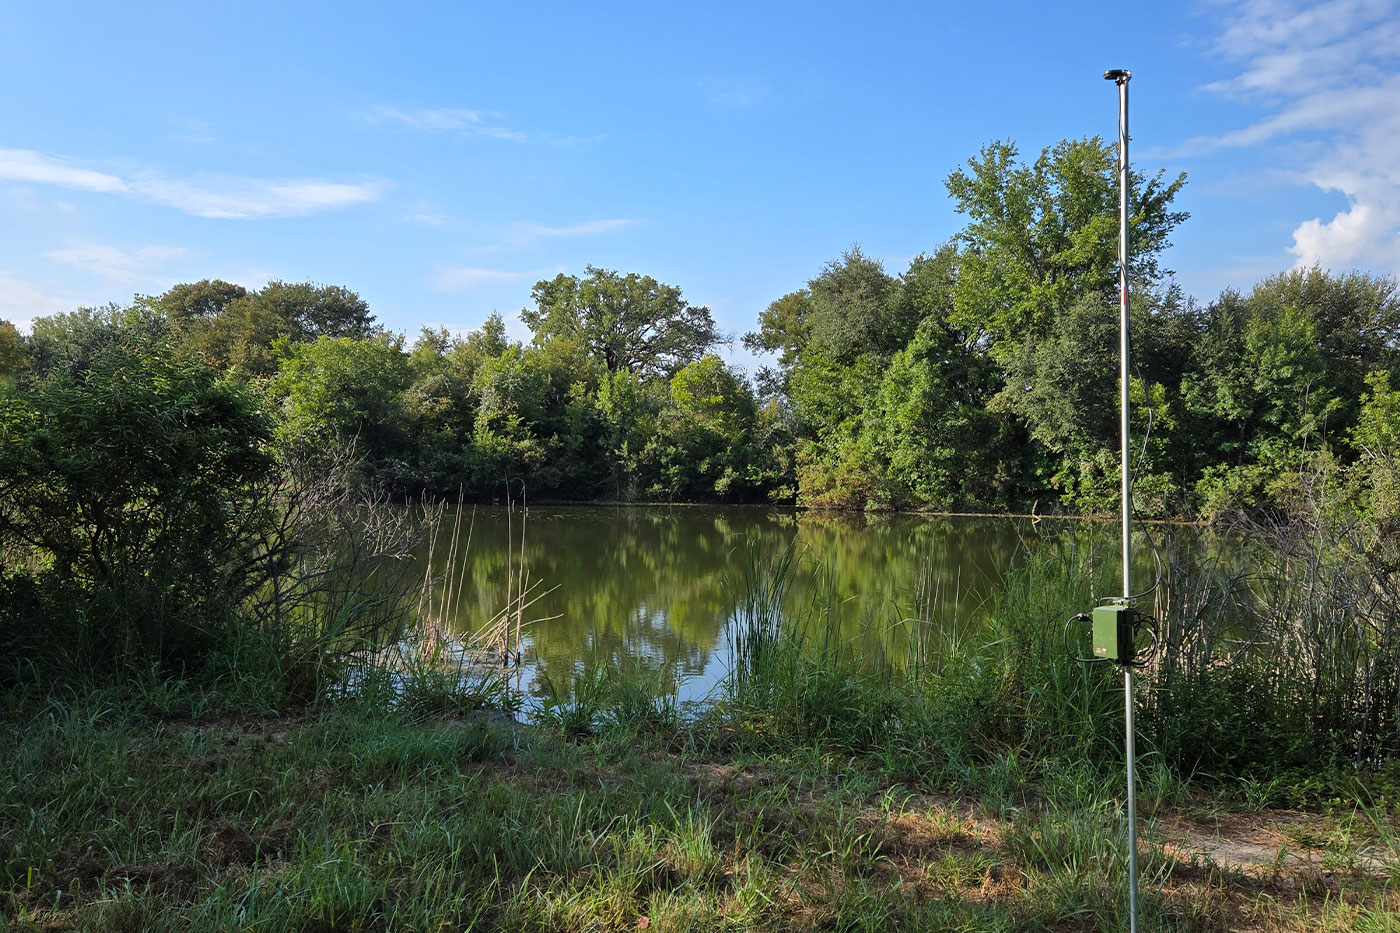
<point>1121,77</point>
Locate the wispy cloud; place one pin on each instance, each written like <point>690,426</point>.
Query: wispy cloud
<point>250,198</point>
<point>21,303</point>
<point>194,132</point>
<point>116,264</point>
<point>573,142</point>
<point>1326,76</point>
<point>29,166</point>
<point>736,92</point>
<point>226,197</point>
<point>465,278</point>
<point>445,120</point>
<point>585,228</point>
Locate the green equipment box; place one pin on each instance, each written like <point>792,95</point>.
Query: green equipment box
<point>1114,627</point>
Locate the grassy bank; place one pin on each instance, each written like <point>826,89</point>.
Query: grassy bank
<point>967,781</point>
<point>355,817</point>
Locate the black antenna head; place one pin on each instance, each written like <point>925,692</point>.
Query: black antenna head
<point>1117,75</point>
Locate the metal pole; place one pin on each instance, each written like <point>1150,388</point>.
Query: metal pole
<point>1121,78</point>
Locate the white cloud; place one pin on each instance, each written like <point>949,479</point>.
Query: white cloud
<point>29,166</point>
<point>445,120</point>
<point>1329,77</point>
<point>251,198</point>
<point>21,303</point>
<point>586,228</point>
<point>574,142</point>
<point>463,278</point>
<point>223,197</point>
<point>115,264</point>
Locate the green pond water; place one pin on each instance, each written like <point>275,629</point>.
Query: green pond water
<point>656,585</point>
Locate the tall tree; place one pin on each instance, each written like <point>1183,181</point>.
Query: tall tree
<point>630,322</point>
<point>851,309</point>
<point>1281,372</point>
<point>233,328</point>
<point>206,299</point>
<point>1041,236</point>
<point>13,354</point>
<point>308,311</point>
<point>784,327</point>
<point>704,439</point>
<point>938,444</point>
<point>846,310</point>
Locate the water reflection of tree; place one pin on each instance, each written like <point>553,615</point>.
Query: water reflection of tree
<point>650,582</point>
<point>632,581</point>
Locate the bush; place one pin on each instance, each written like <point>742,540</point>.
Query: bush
<point>133,496</point>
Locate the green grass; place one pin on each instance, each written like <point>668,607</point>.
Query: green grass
<point>357,816</point>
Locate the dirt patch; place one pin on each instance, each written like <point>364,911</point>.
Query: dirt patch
<point>713,778</point>
<point>80,869</point>
<point>159,878</point>
<point>226,843</point>
<point>1283,847</point>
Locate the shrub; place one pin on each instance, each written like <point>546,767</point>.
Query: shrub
<point>132,499</point>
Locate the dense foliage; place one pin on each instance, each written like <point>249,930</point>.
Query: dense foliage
<point>129,514</point>
<point>157,519</point>
<point>982,377</point>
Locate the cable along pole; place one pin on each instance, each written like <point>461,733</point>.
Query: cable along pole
<point>1121,78</point>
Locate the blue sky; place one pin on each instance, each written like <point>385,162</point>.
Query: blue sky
<point>439,159</point>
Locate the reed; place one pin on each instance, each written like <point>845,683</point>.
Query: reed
<point>434,665</point>
<point>1276,655</point>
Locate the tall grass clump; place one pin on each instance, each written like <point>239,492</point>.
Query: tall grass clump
<point>1022,688</point>
<point>1003,692</point>
<point>1285,655</point>
<point>1278,650</point>
<point>796,668</point>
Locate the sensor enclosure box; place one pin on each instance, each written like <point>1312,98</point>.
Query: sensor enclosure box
<point>1114,627</point>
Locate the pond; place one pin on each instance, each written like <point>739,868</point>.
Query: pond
<point>656,585</point>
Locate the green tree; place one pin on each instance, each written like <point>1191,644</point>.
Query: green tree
<point>851,312</point>
<point>1041,236</point>
<point>784,327</point>
<point>627,414</point>
<point>439,407</point>
<point>14,356</point>
<point>71,341</point>
<point>309,311</point>
<point>1377,439</point>
<point>703,445</point>
<point>630,322</point>
<point>339,392</point>
<point>836,462</point>
<point>1280,374</point>
<point>1356,322</point>
<point>939,444</point>
<point>233,328</point>
<point>835,338</point>
<point>205,300</point>
<point>514,395</point>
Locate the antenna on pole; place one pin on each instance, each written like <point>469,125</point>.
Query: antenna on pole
<point>1121,77</point>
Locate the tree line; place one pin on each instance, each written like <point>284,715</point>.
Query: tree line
<point>982,377</point>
